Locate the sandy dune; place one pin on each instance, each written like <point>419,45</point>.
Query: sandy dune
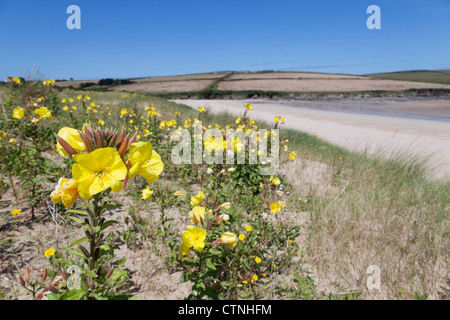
<point>355,131</point>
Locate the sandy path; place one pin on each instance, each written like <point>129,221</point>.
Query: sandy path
<point>352,130</point>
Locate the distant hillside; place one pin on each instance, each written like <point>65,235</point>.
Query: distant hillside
<point>431,76</point>
<point>268,83</point>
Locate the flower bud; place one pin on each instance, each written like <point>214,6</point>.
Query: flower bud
<point>229,239</point>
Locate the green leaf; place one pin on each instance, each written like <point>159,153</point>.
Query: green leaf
<point>210,265</point>
<point>79,241</point>
<point>76,220</point>
<point>76,294</point>
<point>78,212</point>
<point>107,224</point>
<point>75,252</point>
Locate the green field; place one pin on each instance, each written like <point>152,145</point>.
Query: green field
<point>431,76</point>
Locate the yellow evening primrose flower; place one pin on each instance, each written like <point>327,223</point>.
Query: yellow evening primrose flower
<point>144,162</point>
<point>229,239</point>
<point>241,237</point>
<point>254,278</point>
<point>16,80</point>
<point>66,191</point>
<point>194,237</point>
<point>258,260</point>
<point>18,113</point>
<point>225,205</point>
<point>248,228</point>
<point>49,252</point>
<point>97,171</point>
<point>292,155</point>
<point>197,199</point>
<point>275,207</point>
<point>276,181</point>
<point>16,212</point>
<point>43,112</point>
<point>146,193</point>
<point>198,212</point>
<point>245,282</point>
<point>101,122</point>
<point>72,137</point>
<point>211,143</point>
<point>184,250</point>
<point>201,109</point>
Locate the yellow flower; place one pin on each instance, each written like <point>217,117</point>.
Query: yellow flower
<point>146,193</point>
<point>275,207</point>
<point>248,228</point>
<point>144,162</point>
<point>276,181</point>
<point>49,252</point>
<point>101,122</point>
<point>258,260</point>
<point>198,212</point>
<point>184,250</point>
<point>254,278</point>
<point>211,143</point>
<point>66,191</point>
<point>123,112</point>
<point>16,212</point>
<point>43,112</point>
<point>18,113</point>
<point>12,140</point>
<point>97,171</point>
<point>194,237</point>
<point>197,199</point>
<point>292,155</point>
<point>245,282</point>
<point>16,80</point>
<point>201,109</point>
<point>229,239</point>
<point>225,205</point>
<point>72,137</point>
<point>276,119</point>
<point>241,237</point>
<point>65,108</point>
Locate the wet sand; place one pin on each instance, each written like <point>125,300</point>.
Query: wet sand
<point>388,127</point>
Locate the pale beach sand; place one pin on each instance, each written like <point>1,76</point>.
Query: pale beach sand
<point>388,135</point>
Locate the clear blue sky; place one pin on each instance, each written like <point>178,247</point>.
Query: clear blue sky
<point>137,38</point>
